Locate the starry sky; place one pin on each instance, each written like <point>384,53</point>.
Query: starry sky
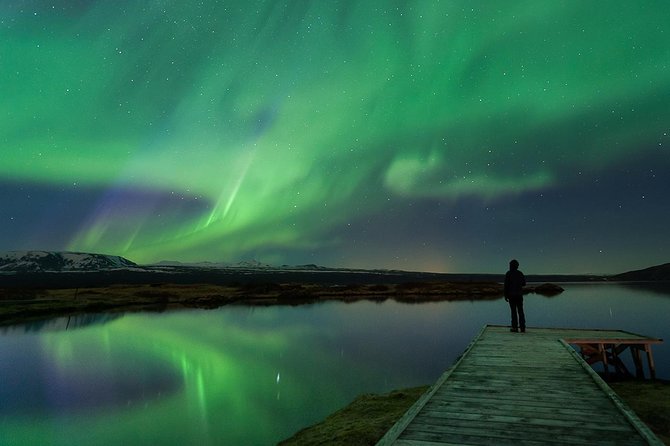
<point>432,135</point>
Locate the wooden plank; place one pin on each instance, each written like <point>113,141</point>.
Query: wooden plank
<point>637,360</point>
<point>469,440</point>
<point>528,404</point>
<point>650,360</point>
<point>611,342</point>
<point>524,389</point>
<point>433,432</point>
<point>424,443</point>
<point>561,413</point>
<point>519,422</point>
<point>425,430</point>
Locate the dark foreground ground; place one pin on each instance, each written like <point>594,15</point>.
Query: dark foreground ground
<point>368,417</point>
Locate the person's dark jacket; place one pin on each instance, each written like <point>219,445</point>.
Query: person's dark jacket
<point>514,283</point>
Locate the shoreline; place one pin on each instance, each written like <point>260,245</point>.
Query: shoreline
<point>23,304</point>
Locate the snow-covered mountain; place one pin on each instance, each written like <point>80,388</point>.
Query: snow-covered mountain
<point>245,264</point>
<point>48,261</point>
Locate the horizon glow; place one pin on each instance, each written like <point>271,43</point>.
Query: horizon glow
<point>443,136</point>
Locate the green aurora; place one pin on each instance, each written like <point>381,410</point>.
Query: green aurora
<point>277,124</point>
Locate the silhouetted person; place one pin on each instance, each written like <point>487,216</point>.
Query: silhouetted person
<point>513,292</point>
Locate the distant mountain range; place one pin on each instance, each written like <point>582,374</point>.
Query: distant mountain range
<point>255,264</point>
<point>47,261</point>
<point>74,262</point>
<point>654,273</point>
<point>245,264</point>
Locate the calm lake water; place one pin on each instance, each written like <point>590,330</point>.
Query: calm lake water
<point>254,376</point>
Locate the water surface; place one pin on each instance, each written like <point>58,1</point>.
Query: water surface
<point>253,376</point>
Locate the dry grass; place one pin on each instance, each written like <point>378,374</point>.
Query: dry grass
<point>361,423</point>
<point>651,402</point>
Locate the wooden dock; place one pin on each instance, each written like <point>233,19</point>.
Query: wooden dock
<point>528,388</point>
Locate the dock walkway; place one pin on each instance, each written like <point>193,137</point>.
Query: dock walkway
<point>527,389</point>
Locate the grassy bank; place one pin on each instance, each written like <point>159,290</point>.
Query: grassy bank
<point>368,417</point>
<point>651,402</point>
<point>363,422</point>
<point>20,305</point>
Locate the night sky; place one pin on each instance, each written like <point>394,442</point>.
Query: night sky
<point>420,135</point>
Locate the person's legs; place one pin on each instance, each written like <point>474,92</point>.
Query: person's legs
<point>512,307</point>
<point>522,316</point>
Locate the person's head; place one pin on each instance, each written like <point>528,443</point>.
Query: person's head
<point>513,264</point>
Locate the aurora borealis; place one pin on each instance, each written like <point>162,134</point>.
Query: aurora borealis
<point>420,135</point>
